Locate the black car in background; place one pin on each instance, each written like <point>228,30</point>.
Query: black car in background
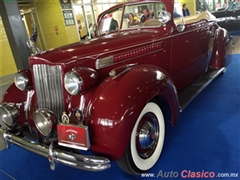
<point>229,18</point>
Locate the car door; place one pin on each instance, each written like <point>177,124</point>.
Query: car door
<point>189,57</point>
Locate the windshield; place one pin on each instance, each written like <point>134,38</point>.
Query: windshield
<point>140,14</point>
<point>144,14</point>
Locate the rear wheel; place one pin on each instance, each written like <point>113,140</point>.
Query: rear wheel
<point>146,141</point>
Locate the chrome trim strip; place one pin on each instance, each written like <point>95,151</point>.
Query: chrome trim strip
<point>72,146</point>
<point>119,74</point>
<point>27,105</point>
<point>84,162</point>
<point>104,62</point>
<point>49,91</point>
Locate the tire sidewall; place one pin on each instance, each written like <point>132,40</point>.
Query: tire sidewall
<point>146,164</point>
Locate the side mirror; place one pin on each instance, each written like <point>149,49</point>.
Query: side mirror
<point>180,23</point>
<point>164,17</point>
<point>180,27</point>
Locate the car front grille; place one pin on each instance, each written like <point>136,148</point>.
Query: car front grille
<point>48,86</point>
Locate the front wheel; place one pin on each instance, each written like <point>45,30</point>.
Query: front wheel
<point>146,141</point>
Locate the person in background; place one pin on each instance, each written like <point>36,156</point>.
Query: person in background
<point>225,4</point>
<point>151,13</point>
<point>91,29</point>
<point>114,25</point>
<point>146,15</point>
<point>185,10</point>
<point>217,6</point>
<point>139,15</point>
<point>132,21</point>
<point>79,27</point>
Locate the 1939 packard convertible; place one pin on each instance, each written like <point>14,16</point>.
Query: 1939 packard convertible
<point>113,94</point>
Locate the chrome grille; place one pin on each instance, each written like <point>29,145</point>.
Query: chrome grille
<point>48,85</point>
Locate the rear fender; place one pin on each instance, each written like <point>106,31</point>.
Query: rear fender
<point>220,43</point>
<point>117,103</point>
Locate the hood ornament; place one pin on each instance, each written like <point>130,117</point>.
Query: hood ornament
<point>33,39</point>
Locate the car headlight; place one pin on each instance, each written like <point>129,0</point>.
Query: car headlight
<point>44,121</point>
<point>21,81</point>
<point>72,83</point>
<point>8,114</point>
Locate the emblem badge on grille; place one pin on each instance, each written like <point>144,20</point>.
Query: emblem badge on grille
<point>78,115</point>
<point>72,136</point>
<point>65,118</point>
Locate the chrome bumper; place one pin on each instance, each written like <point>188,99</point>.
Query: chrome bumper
<point>89,163</point>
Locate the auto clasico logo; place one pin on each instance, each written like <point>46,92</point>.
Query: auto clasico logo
<point>198,174</point>
<point>189,174</point>
<point>186,174</point>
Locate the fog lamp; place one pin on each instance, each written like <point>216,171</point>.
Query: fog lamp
<point>44,121</point>
<point>8,114</point>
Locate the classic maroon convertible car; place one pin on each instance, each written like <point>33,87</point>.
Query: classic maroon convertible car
<point>111,95</point>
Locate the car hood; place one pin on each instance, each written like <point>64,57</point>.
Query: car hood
<point>96,48</point>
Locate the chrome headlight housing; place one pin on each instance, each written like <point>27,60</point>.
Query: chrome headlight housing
<point>8,114</point>
<point>21,81</point>
<point>72,83</point>
<point>44,121</point>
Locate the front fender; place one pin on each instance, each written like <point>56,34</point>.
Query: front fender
<point>118,102</point>
<point>14,95</point>
<point>221,41</point>
<point>20,99</point>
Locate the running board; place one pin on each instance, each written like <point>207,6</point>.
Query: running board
<point>186,95</point>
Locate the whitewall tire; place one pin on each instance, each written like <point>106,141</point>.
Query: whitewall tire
<point>146,142</point>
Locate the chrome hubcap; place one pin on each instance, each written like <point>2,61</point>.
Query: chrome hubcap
<point>147,135</point>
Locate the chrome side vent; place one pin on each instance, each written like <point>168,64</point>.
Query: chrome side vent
<point>48,84</point>
<point>104,62</point>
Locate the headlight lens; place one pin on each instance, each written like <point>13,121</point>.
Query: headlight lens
<point>44,121</point>
<point>72,83</point>
<point>8,114</point>
<point>21,81</point>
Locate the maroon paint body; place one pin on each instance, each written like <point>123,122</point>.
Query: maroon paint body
<point>117,104</point>
<point>165,60</point>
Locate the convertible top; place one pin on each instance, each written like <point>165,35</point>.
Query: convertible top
<point>205,15</point>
